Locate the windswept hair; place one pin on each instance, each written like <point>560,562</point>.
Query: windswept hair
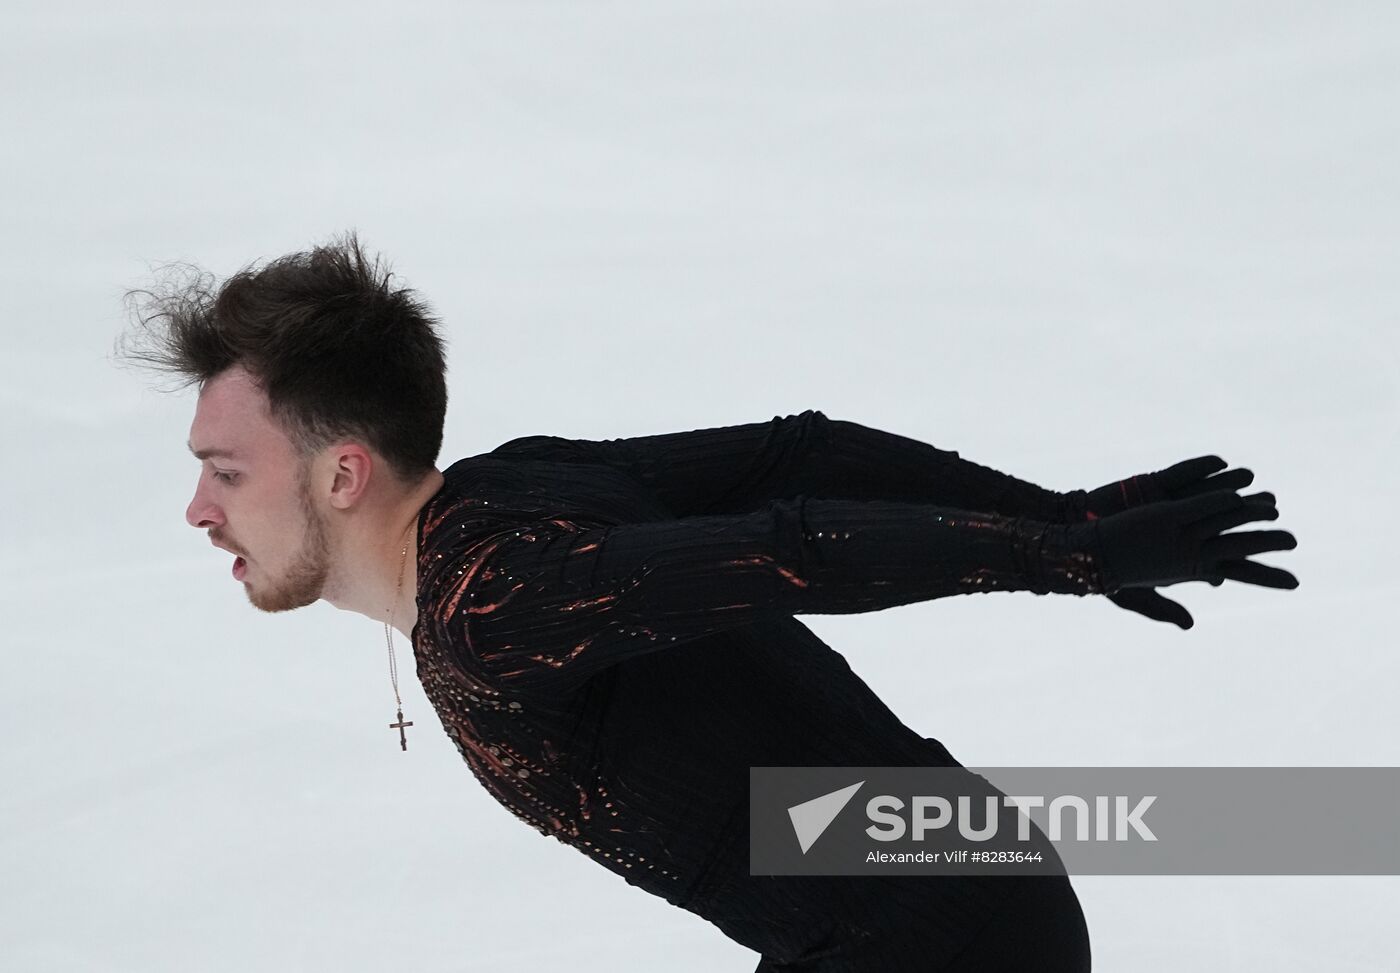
<point>338,354</point>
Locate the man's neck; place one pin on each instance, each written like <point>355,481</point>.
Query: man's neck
<point>406,608</point>
<point>377,592</point>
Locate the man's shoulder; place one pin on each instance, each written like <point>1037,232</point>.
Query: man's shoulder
<point>545,447</point>
<point>484,483</point>
<point>538,479</point>
<point>526,483</point>
<point>537,459</point>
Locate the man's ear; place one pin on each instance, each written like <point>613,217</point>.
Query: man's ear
<point>353,465</point>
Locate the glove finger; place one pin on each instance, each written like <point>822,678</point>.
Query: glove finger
<point>1149,603</point>
<point>1233,480</point>
<point>1188,471</point>
<point>1245,543</point>
<point>1258,506</point>
<point>1199,508</point>
<point>1252,572</point>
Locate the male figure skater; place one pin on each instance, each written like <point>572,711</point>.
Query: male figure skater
<point>605,628</point>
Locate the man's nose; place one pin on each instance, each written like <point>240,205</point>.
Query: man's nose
<point>202,513</point>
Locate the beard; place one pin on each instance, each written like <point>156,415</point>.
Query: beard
<point>304,581</point>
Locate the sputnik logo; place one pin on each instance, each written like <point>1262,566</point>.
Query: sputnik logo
<point>811,818</point>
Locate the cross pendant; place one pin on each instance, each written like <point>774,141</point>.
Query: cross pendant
<point>403,740</point>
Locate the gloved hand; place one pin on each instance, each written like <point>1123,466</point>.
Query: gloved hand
<point>1188,478</point>
<point>1171,541</point>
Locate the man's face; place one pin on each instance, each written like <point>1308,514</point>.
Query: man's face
<point>257,502</point>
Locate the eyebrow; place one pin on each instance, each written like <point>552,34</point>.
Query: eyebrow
<point>208,453</point>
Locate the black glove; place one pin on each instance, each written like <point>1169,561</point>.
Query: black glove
<point>1166,543</point>
<point>1188,478</point>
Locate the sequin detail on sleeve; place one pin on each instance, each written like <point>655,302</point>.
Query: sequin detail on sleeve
<point>552,603</point>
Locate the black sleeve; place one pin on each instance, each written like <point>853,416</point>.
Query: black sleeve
<point>551,603</point>
<point>736,469</point>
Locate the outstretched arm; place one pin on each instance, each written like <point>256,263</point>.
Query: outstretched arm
<point>736,469</point>
<point>546,605</point>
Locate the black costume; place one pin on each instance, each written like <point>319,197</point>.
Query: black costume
<point>605,630</point>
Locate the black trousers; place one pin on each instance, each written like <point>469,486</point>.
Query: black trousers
<point>1041,928</point>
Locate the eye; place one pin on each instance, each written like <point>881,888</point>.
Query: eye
<point>224,477</point>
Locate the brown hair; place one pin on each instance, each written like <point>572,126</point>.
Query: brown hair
<point>337,352</point>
